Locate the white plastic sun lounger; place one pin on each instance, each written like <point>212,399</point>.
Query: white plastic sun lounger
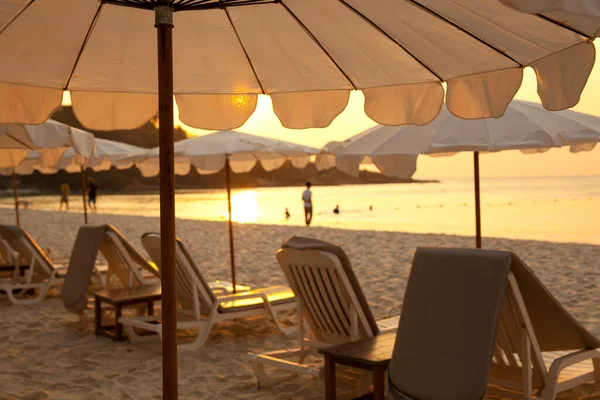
<point>126,266</point>
<point>19,248</point>
<point>330,300</point>
<point>535,350</point>
<point>200,307</point>
<point>541,350</point>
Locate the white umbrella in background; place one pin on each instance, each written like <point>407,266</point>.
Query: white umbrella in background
<point>108,153</point>
<point>236,152</point>
<point>306,54</point>
<point>525,126</point>
<point>51,139</point>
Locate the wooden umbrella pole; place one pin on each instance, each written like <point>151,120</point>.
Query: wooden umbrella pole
<point>477,201</point>
<point>16,195</point>
<point>164,27</point>
<point>231,247</point>
<point>83,190</point>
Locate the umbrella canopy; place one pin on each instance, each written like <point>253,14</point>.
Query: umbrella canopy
<point>525,126</point>
<point>209,154</point>
<point>588,8</point>
<point>307,54</point>
<point>108,153</point>
<point>50,138</point>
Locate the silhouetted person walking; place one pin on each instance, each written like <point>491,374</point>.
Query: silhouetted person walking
<point>92,194</point>
<point>308,205</point>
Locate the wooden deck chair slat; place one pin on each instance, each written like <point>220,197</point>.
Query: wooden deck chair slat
<point>310,300</point>
<point>339,293</point>
<point>325,302</point>
<point>329,290</point>
<point>352,301</point>
<point>297,284</point>
<point>315,294</point>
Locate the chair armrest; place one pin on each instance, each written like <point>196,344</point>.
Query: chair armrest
<point>570,359</point>
<point>241,296</point>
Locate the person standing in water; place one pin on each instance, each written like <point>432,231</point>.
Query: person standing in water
<point>92,193</point>
<point>308,205</point>
<point>64,195</point>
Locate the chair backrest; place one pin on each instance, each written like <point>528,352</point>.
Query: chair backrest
<point>450,316</point>
<point>29,251</point>
<point>7,254</point>
<point>123,261</point>
<point>533,321</point>
<point>332,301</point>
<point>193,293</point>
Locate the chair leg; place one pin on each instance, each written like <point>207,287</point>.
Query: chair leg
<point>203,334</point>
<point>43,291</point>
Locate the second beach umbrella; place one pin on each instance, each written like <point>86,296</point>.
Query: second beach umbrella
<point>108,153</point>
<point>525,126</point>
<point>50,139</point>
<point>233,151</point>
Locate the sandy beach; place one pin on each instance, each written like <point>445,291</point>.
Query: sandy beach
<point>49,353</point>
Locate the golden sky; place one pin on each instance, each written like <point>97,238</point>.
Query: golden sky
<point>556,162</point>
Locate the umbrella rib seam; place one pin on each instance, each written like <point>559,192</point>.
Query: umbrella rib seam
<point>472,35</point>
<point>382,31</point>
<point>14,18</point>
<point>557,23</point>
<point>237,35</point>
<point>85,42</point>
<point>313,37</point>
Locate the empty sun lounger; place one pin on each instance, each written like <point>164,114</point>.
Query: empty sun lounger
<point>536,351</point>
<point>200,306</point>
<point>331,301</point>
<point>41,275</point>
<point>450,317</point>
<point>541,350</point>
<point>126,266</point>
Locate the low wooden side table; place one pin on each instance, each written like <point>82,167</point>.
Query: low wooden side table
<point>120,298</point>
<point>373,354</point>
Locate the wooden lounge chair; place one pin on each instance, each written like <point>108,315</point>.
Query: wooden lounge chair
<point>39,276</point>
<point>450,317</point>
<point>330,300</point>
<point>126,266</point>
<point>200,307</point>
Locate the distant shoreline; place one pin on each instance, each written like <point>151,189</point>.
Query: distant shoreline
<point>25,191</point>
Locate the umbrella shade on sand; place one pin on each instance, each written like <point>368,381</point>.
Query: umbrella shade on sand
<point>525,126</point>
<point>236,152</point>
<point>107,153</point>
<point>50,139</point>
<point>306,54</point>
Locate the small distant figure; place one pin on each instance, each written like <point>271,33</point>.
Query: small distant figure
<point>336,210</point>
<point>92,194</point>
<point>370,208</point>
<point>287,214</point>
<point>308,205</point>
<point>64,195</point>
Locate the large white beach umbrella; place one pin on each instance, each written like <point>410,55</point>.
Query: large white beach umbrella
<point>107,153</point>
<point>235,152</point>
<point>50,139</point>
<point>525,126</point>
<point>306,54</point>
